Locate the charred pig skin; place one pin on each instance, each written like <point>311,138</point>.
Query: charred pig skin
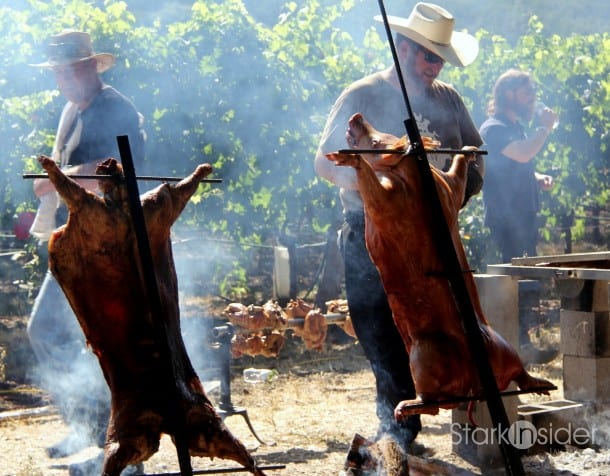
<point>95,259</point>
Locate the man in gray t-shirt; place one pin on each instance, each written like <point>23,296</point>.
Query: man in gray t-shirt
<point>441,114</point>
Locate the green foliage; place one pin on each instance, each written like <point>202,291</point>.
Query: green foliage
<point>572,74</point>
<point>247,90</point>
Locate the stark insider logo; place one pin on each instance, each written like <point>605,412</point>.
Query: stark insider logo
<point>522,435</point>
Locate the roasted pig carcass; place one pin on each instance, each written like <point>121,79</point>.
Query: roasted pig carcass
<point>339,306</point>
<point>314,326</point>
<point>348,327</point>
<point>314,330</point>
<point>268,344</point>
<point>259,329</point>
<point>400,240</point>
<point>297,308</point>
<point>255,318</point>
<point>154,388</point>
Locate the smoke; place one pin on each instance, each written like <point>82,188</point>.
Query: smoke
<point>193,269</point>
<point>67,369</point>
<point>235,113</point>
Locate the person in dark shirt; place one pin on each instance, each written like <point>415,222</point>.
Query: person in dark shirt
<point>512,184</point>
<point>94,115</point>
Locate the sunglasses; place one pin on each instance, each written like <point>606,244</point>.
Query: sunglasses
<point>430,57</point>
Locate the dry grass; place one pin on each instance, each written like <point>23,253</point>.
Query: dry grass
<point>308,416</point>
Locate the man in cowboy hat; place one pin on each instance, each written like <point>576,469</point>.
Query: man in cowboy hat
<point>94,115</point>
<point>424,41</point>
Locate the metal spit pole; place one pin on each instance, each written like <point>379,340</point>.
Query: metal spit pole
<point>293,323</point>
<point>153,178</point>
<point>446,249</point>
<point>152,292</point>
<point>407,152</point>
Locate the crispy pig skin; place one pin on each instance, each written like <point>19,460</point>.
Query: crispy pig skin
<point>95,259</point>
<point>400,239</point>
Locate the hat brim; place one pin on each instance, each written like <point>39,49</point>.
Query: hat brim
<point>104,61</point>
<point>462,51</point>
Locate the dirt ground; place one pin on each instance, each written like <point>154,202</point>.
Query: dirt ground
<point>307,416</point>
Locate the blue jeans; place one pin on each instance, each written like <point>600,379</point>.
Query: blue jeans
<point>374,326</point>
<point>67,369</point>
<point>515,236</point>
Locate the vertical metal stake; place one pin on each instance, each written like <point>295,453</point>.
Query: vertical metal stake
<point>152,292</point>
<point>446,249</point>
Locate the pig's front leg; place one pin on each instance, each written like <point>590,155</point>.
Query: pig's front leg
<point>351,160</point>
<point>184,190</point>
<point>70,190</point>
<point>374,193</point>
<point>163,205</point>
<point>368,182</point>
<point>455,182</point>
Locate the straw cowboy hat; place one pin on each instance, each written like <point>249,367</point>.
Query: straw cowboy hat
<point>70,47</point>
<point>432,27</point>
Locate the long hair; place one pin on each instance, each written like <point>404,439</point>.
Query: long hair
<point>511,80</point>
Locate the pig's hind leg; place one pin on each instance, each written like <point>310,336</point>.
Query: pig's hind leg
<point>507,365</point>
<point>438,373</point>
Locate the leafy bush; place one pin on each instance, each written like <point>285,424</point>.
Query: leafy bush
<point>228,83</point>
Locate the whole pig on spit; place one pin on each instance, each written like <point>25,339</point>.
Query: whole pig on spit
<point>400,240</point>
<point>94,257</point>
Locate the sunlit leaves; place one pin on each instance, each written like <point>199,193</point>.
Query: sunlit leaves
<point>218,85</point>
<point>572,75</point>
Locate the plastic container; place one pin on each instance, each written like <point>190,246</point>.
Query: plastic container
<point>252,375</point>
<point>539,109</point>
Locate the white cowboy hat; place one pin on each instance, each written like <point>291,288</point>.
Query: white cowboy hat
<point>431,26</point>
<point>70,47</point>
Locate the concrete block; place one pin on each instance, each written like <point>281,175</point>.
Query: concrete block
<point>557,423</point>
<point>480,441</point>
<point>584,334</point>
<point>499,296</point>
<point>565,422</point>
<point>499,299</point>
<point>586,379</point>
